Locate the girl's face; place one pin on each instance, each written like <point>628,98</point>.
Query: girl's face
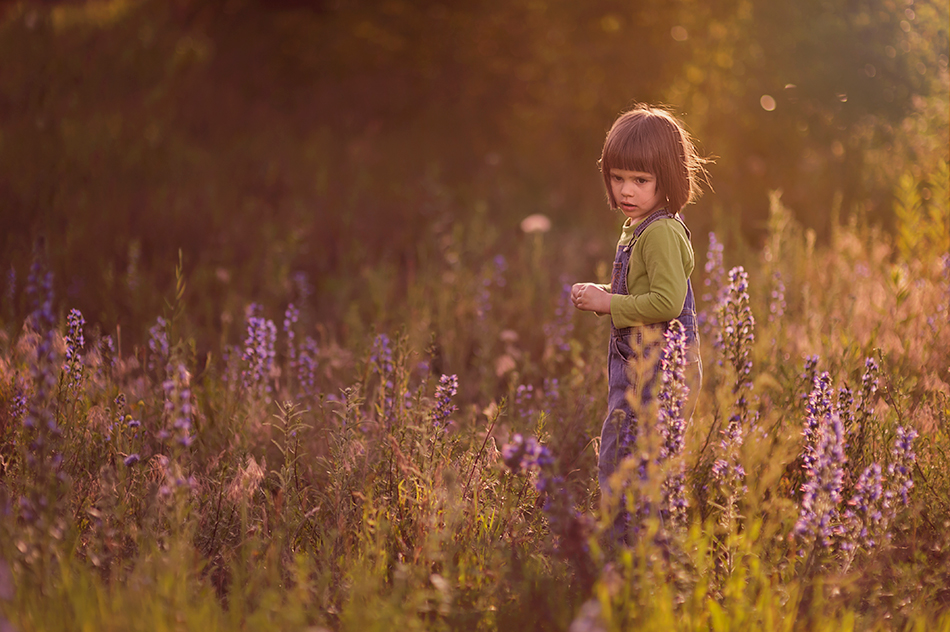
<point>635,192</point>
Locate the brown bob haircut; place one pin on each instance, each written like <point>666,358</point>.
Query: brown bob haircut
<point>651,140</point>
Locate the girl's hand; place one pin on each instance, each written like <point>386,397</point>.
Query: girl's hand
<point>590,298</point>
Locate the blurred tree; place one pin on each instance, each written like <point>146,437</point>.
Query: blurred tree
<point>267,137</point>
<point>799,96</point>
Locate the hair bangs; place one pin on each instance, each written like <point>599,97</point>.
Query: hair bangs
<point>631,151</point>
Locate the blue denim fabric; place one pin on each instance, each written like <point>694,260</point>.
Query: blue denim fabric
<point>624,372</point>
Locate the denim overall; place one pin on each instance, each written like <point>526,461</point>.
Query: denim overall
<point>626,344</point>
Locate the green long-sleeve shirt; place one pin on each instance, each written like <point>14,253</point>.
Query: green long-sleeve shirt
<point>661,261</point>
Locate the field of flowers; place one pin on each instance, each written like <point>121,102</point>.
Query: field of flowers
<point>429,462</point>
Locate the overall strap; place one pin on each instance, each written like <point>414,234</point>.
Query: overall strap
<point>683,224</point>
<point>655,215</point>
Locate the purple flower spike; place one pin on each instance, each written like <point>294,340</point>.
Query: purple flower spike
<point>903,460</point>
<point>308,365</point>
<point>444,392</point>
<point>259,352</point>
<point>158,344</point>
<point>73,366</point>
<point>291,315</point>
<point>179,409</point>
<point>671,425</point>
<point>824,480</point>
<point>777,304</point>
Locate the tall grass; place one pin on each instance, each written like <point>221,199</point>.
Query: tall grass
<point>430,463</point>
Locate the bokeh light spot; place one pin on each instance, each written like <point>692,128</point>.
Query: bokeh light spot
<point>767,102</point>
<point>610,23</point>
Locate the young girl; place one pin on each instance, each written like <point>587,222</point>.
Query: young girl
<point>651,171</point>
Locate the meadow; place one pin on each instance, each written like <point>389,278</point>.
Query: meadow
<point>429,462</point>
<point>286,343</point>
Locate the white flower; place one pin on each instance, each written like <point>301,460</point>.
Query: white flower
<point>537,223</point>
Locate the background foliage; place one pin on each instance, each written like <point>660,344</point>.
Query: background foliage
<point>263,138</point>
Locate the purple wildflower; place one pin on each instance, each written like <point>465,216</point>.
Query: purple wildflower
<point>569,525</point>
<point>492,277</point>
<point>777,300</point>
<point>41,437</point>
<point>845,405</point>
<point>178,405</point>
<point>307,365</point>
<point>131,460</point>
<point>526,453</point>
<point>863,522</point>
<point>524,400</point>
<point>291,315</point>
<point>864,410</point>
<point>382,355</point>
<point>817,410</point>
<point>736,336</point>
<point>253,310</point>
<point>673,391</point>
<point>513,454</point>
<point>714,283</point>
<point>845,409</point>
<point>824,481</point>
<point>871,509</point>
<point>899,469</point>
<point>671,398</point>
<point>19,400</point>
<point>865,407</point>
<point>158,344</point>
<point>120,414</point>
<point>259,352</point>
<point>501,266</point>
<point>302,283</point>
<point>73,367</point>
<point>736,333</point>
<point>106,348</point>
<point>715,271</point>
<point>444,392</point>
<point>728,472</point>
<point>39,290</point>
